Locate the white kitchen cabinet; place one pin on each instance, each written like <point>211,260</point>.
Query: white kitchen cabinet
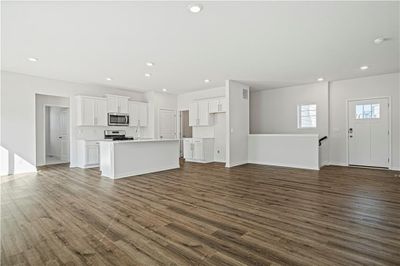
<point>138,114</point>
<point>88,153</point>
<point>91,111</point>
<point>198,150</point>
<point>117,104</point>
<point>193,114</point>
<point>217,106</point>
<point>187,148</point>
<point>199,114</point>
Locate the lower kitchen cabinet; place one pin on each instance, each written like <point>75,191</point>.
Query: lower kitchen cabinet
<point>88,153</point>
<point>198,150</point>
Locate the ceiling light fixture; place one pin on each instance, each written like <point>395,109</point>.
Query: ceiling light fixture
<point>364,67</point>
<point>147,75</point>
<point>206,81</point>
<point>150,64</point>
<point>195,8</point>
<point>33,59</point>
<point>379,40</point>
<point>320,79</point>
<point>109,79</point>
<point>164,90</point>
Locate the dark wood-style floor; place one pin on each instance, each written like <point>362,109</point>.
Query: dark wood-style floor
<point>202,214</point>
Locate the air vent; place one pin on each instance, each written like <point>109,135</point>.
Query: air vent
<point>245,94</point>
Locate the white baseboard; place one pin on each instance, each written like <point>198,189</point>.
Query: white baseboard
<point>287,165</point>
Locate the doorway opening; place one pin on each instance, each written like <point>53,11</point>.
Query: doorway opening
<point>369,132</point>
<point>52,129</point>
<point>185,129</point>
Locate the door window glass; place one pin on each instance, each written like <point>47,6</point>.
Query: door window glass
<point>368,111</point>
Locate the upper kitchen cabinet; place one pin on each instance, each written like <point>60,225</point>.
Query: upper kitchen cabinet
<point>91,111</point>
<point>137,114</point>
<point>217,106</point>
<point>199,114</point>
<point>117,104</point>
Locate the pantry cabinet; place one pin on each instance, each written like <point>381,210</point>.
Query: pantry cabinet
<point>138,114</point>
<point>91,111</point>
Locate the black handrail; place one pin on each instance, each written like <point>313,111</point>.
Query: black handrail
<point>321,139</point>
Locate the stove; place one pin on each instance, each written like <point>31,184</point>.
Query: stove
<point>116,135</point>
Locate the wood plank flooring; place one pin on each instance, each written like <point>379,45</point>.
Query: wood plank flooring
<point>202,214</point>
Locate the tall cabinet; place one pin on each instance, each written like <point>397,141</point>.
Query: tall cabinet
<point>137,114</point>
<point>199,114</point>
<point>117,104</point>
<point>91,111</point>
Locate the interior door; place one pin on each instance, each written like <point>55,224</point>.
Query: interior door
<point>64,134</point>
<point>368,132</point>
<point>167,124</point>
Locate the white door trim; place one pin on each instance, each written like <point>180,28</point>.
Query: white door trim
<point>389,98</point>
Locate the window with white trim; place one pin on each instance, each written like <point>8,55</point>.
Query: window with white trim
<point>307,116</point>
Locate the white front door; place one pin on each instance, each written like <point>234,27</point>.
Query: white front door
<point>167,124</point>
<point>368,132</point>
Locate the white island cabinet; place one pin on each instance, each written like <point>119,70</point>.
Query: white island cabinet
<point>136,157</point>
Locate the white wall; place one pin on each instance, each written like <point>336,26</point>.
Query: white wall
<point>41,102</point>
<point>289,150</point>
<point>237,124</point>
<point>18,136</point>
<point>361,88</point>
<point>275,111</point>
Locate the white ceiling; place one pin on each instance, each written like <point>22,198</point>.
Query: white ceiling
<point>266,44</point>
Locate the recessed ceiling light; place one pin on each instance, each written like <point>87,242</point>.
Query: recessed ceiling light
<point>364,67</point>
<point>379,40</point>
<point>206,81</point>
<point>164,90</point>
<point>109,79</point>
<point>320,79</point>
<point>147,75</point>
<point>33,59</point>
<point>195,8</point>
<point>150,64</point>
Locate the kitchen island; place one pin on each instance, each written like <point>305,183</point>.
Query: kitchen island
<point>125,158</point>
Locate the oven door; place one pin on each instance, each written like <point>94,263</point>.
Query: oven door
<point>115,119</point>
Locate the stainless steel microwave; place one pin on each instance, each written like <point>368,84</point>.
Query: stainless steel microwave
<point>117,119</point>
